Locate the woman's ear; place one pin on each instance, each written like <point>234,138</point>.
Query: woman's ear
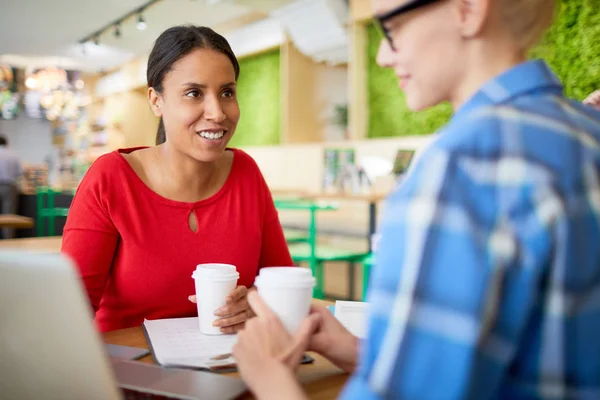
<point>155,102</point>
<point>473,15</point>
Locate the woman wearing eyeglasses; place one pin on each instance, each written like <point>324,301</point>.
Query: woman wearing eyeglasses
<point>487,277</point>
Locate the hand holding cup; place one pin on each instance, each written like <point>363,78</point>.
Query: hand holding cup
<point>236,311</point>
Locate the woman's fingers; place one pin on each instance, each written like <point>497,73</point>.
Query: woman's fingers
<point>233,308</point>
<point>233,328</point>
<point>233,320</point>
<point>239,293</point>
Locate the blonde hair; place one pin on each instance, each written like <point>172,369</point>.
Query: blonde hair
<point>527,19</point>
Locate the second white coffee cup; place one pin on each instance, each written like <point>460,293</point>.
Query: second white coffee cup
<point>288,292</point>
<point>214,282</point>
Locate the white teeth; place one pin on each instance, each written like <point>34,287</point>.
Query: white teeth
<point>211,135</point>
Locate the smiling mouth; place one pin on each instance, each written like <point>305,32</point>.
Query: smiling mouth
<point>211,135</point>
<point>403,80</point>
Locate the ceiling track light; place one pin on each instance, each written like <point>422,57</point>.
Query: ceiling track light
<point>140,23</point>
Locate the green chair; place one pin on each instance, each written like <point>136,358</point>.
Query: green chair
<point>294,236</point>
<point>308,250</point>
<point>47,211</point>
<point>367,263</point>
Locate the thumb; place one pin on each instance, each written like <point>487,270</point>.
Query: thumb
<point>257,304</point>
<point>301,340</point>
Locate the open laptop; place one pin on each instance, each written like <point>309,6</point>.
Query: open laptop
<point>50,349</point>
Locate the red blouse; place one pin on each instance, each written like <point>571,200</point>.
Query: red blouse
<point>136,252</point>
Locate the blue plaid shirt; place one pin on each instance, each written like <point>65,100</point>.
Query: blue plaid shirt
<point>487,279</point>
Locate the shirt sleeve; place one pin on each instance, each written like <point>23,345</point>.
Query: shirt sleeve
<point>90,237</point>
<point>456,279</point>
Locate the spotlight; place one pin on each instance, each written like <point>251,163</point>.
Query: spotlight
<point>31,83</point>
<point>141,24</point>
<point>117,31</point>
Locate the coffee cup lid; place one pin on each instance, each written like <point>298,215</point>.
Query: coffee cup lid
<point>285,270</point>
<point>285,277</point>
<point>215,272</point>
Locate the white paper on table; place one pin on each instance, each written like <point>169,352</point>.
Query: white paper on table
<point>353,315</point>
<point>178,342</point>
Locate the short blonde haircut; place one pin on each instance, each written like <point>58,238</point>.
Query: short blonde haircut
<point>527,19</point>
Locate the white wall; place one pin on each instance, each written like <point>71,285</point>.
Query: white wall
<point>299,167</point>
<point>331,89</point>
<point>30,139</point>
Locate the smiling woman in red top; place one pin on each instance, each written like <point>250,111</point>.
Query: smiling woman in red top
<point>143,218</point>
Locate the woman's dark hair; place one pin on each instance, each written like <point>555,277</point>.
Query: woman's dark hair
<point>175,43</point>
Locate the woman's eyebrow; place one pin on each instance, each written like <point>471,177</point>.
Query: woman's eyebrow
<point>203,86</point>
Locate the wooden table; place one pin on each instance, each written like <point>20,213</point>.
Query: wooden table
<point>15,221</point>
<point>42,244</point>
<point>321,379</point>
<point>304,194</point>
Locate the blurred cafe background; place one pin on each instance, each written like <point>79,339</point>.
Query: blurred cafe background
<point>317,112</point>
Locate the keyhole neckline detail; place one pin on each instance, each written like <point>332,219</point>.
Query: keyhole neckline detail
<point>193,224</point>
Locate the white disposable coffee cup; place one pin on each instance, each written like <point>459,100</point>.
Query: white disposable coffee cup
<point>214,282</point>
<point>288,292</point>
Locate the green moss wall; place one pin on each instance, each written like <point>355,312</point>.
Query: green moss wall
<point>571,47</point>
<point>258,91</point>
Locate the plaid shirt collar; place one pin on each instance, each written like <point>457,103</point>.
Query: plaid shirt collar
<point>524,78</point>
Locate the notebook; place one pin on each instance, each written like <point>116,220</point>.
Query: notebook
<point>353,316</point>
<point>177,342</point>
